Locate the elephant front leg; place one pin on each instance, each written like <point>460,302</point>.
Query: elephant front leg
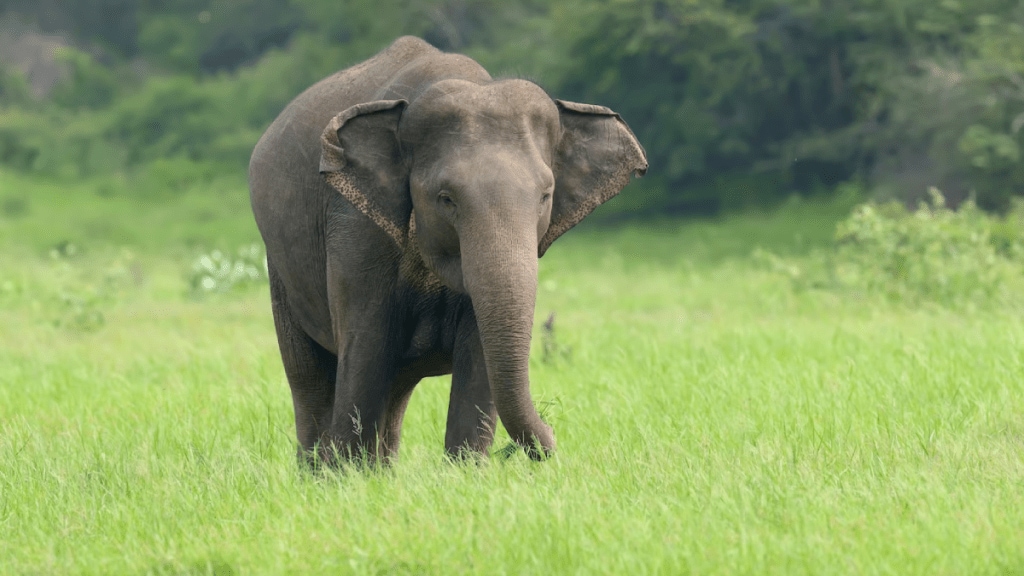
<point>472,417</point>
<point>368,323</point>
<point>366,318</point>
<point>363,390</point>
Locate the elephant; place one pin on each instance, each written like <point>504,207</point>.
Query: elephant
<point>404,203</point>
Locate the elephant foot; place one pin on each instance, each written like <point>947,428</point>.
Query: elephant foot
<point>538,450</point>
<point>334,454</point>
<point>466,454</point>
<point>540,445</point>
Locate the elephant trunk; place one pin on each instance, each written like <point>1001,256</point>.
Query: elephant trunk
<point>499,267</point>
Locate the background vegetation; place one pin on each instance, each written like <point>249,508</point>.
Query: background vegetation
<point>832,386</point>
<point>739,102</point>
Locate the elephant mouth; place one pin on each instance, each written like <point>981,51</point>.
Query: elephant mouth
<point>425,272</point>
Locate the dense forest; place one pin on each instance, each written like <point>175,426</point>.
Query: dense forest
<point>738,102</point>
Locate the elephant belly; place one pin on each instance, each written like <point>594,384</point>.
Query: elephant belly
<point>432,328</point>
<point>428,365</point>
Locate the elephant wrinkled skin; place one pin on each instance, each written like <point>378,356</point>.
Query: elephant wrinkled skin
<point>404,203</point>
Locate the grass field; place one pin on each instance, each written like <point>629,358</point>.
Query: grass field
<point>712,417</point>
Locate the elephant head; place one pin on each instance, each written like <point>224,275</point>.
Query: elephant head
<point>480,179</point>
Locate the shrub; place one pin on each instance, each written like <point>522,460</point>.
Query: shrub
<point>932,254</point>
<point>14,89</point>
<point>89,83</point>
<point>168,117</point>
<point>83,290</point>
<point>219,272</point>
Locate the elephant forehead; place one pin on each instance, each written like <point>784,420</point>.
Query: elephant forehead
<point>490,166</point>
<point>465,109</point>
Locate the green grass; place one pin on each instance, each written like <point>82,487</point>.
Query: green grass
<point>711,418</point>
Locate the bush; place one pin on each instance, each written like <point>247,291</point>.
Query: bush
<point>84,290</point>
<point>58,143</point>
<point>89,83</point>
<point>219,272</point>
<point>170,116</point>
<point>14,89</point>
<point>931,254</point>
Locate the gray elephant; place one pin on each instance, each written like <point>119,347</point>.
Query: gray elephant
<point>404,203</point>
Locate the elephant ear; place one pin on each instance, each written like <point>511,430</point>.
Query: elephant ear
<point>362,159</point>
<point>595,159</point>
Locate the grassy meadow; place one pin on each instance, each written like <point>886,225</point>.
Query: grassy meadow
<point>715,413</point>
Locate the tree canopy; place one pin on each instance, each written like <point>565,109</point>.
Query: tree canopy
<point>738,102</point>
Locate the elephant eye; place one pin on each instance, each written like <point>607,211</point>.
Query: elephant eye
<point>545,197</point>
<point>444,200</point>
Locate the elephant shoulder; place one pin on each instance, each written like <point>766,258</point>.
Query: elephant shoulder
<point>290,147</point>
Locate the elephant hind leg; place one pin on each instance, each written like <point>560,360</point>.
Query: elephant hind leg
<point>311,372</point>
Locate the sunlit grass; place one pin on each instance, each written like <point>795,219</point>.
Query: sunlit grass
<point>711,419</point>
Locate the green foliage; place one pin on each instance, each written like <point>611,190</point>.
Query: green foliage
<point>738,103</point>
<point>59,143</point>
<point>801,95</point>
<point>89,83</point>
<point>14,89</point>
<point>987,150</point>
<point>948,115</point>
<point>719,92</point>
<point>171,116</point>
<point>111,24</point>
<point>20,144</point>
<point>933,253</point>
<point>171,42</point>
<point>81,290</point>
<point>234,32</point>
<point>220,272</point>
